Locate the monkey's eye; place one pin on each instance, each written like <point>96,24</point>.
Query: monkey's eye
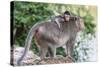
<point>66,18</point>
<point>73,18</point>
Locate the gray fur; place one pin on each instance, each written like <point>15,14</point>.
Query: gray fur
<point>53,34</point>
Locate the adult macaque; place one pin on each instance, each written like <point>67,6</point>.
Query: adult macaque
<point>62,30</point>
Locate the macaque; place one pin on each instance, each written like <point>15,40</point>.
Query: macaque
<point>62,30</point>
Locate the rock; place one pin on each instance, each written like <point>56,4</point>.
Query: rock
<point>56,60</point>
<point>33,59</point>
<point>28,59</point>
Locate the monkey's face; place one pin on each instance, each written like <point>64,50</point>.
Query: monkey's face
<point>66,18</point>
<point>79,23</point>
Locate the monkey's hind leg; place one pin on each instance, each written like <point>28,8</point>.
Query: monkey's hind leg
<point>43,52</point>
<point>42,45</point>
<point>52,52</point>
<point>43,49</point>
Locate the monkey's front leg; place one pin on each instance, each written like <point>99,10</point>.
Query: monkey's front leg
<point>69,46</point>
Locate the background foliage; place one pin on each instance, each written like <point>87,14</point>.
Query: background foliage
<point>26,14</point>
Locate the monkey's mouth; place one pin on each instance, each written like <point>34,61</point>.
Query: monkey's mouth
<point>66,18</point>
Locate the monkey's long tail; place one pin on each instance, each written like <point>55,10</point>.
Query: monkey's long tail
<point>28,43</point>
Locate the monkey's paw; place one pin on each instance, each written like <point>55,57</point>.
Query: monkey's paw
<point>70,59</point>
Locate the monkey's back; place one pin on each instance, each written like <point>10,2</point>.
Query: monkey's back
<point>51,33</point>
